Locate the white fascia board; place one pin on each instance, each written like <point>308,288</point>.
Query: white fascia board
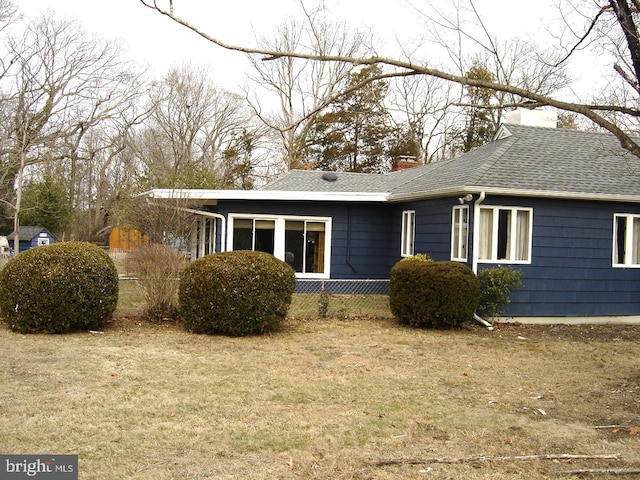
<point>513,192</point>
<point>214,195</point>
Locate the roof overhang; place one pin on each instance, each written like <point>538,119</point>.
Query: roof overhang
<point>213,196</point>
<point>514,192</point>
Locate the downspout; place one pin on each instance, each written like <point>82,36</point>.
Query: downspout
<point>476,246</point>
<point>476,232</point>
<point>348,260</point>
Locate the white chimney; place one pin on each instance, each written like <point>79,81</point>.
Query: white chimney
<point>532,118</point>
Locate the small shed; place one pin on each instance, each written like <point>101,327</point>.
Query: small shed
<point>32,236</point>
<point>127,239</point>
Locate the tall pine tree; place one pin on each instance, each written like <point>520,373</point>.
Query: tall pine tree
<point>479,122</point>
<point>357,133</point>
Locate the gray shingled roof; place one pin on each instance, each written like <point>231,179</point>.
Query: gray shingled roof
<point>541,161</point>
<point>27,232</point>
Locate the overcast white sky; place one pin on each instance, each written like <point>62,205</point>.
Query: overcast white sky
<point>157,41</point>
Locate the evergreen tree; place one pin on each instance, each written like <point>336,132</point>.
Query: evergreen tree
<point>46,204</point>
<point>357,133</point>
<point>479,122</point>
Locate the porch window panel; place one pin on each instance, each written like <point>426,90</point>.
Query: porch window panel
<point>264,236</point>
<point>305,246</point>
<point>315,247</point>
<point>294,244</point>
<point>243,234</point>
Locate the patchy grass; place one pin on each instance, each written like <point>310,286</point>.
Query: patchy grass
<point>322,399</point>
<point>131,300</point>
<point>308,305</point>
<point>303,305</point>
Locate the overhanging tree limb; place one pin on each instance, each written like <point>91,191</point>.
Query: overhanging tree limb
<point>407,67</point>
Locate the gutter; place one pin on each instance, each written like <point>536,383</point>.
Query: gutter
<point>223,223</point>
<point>512,192</point>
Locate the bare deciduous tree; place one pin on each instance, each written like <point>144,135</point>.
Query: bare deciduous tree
<point>191,124</point>
<point>425,105</point>
<point>63,85</point>
<point>302,87</point>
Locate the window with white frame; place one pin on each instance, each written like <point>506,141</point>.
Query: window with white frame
<point>626,240</point>
<point>505,234</point>
<point>302,242</point>
<point>459,233</point>
<point>408,233</point>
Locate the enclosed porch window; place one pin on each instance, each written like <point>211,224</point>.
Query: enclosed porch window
<point>302,242</point>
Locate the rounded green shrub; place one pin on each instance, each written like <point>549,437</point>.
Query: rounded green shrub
<point>235,293</point>
<point>433,294</point>
<point>58,288</point>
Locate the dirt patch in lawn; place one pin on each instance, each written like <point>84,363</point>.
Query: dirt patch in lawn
<point>330,399</point>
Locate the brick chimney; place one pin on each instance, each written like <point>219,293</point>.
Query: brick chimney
<point>402,163</point>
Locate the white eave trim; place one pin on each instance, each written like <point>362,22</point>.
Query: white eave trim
<point>513,192</point>
<point>214,195</point>
<point>211,196</point>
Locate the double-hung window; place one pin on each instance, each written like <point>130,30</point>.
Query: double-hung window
<point>302,242</point>
<point>626,240</point>
<point>505,234</point>
<point>408,233</point>
<point>460,233</point>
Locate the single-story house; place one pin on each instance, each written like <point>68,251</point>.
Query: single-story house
<point>32,236</point>
<point>560,205</point>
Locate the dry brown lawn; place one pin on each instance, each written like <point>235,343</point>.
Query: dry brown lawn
<point>325,399</point>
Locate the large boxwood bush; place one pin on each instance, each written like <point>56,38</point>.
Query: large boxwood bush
<point>58,288</point>
<point>433,294</point>
<point>235,293</point>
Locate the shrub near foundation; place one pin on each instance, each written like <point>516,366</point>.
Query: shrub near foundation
<point>58,288</point>
<point>235,293</point>
<point>433,294</point>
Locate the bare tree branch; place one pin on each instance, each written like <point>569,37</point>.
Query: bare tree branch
<point>408,67</point>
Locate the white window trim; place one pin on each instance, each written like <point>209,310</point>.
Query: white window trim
<point>408,233</point>
<point>459,233</point>
<point>628,241</point>
<point>278,239</point>
<point>494,233</point>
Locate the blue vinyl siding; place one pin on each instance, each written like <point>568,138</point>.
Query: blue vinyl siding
<point>360,237</point>
<point>571,271</point>
<point>433,227</point>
